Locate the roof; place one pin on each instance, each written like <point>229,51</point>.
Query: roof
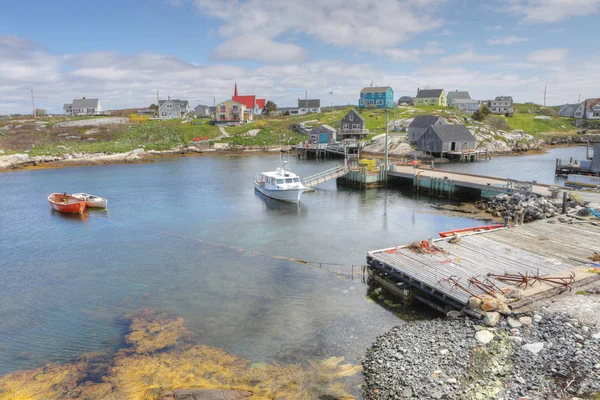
<point>249,101</point>
<point>315,103</point>
<point>179,103</point>
<point>429,93</point>
<point>405,98</point>
<point>424,121</point>
<point>201,105</point>
<point>355,113</point>
<point>590,103</point>
<point>260,103</point>
<point>453,133</point>
<point>323,129</point>
<point>85,103</point>
<point>458,95</point>
<point>503,98</point>
<point>375,89</point>
<point>69,105</point>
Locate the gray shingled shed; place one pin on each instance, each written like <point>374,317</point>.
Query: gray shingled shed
<point>420,124</point>
<point>446,138</point>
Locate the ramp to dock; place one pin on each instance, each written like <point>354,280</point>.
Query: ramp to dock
<point>536,249</point>
<point>325,176</point>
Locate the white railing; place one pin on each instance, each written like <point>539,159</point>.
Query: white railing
<point>324,176</point>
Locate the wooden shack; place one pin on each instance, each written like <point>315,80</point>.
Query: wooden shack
<point>439,139</point>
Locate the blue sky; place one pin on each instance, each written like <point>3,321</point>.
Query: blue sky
<point>122,52</point>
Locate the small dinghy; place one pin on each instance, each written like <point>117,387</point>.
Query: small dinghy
<point>91,200</point>
<point>65,203</point>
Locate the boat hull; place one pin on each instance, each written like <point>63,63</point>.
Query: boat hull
<point>92,201</point>
<point>66,204</point>
<point>288,195</point>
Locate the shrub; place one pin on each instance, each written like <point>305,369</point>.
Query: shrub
<point>138,118</point>
<point>482,112</point>
<point>551,112</point>
<point>497,122</point>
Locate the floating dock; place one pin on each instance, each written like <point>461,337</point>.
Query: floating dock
<point>446,277</point>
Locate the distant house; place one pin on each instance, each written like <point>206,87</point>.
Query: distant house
<point>456,95</point>
<point>438,139</point>
<point>467,106</point>
<point>253,105</point>
<point>376,96</point>
<point>202,111</point>
<point>353,126</point>
<point>406,101</point>
<point>502,105</point>
<point>420,125</point>
<point>173,108</point>
<point>322,134</point>
<point>568,110</point>
<point>306,106</point>
<point>83,106</point>
<point>231,112</point>
<point>149,112</point>
<point>431,97</point>
<point>588,109</point>
<point>286,111</point>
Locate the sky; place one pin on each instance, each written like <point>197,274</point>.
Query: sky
<point>122,52</point>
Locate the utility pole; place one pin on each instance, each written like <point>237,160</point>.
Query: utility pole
<point>306,99</point>
<point>332,109</point>
<point>33,103</point>
<point>387,112</point>
<point>544,95</point>
<point>579,99</point>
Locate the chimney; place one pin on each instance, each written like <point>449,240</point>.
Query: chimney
<point>83,98</point>
<point>235,93</point>
<point>418,90</point>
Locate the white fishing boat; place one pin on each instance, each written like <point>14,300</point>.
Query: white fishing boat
<point>91,200</point>
<point>280,184</point>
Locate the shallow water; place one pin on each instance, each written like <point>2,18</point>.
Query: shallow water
<point>67,281</point>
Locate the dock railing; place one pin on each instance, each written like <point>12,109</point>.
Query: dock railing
<point>325,176</point>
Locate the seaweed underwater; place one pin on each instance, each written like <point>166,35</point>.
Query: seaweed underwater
<point>160,356</point>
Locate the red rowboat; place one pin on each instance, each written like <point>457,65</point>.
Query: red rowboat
<point>66,203</point>
<point>471,230</point>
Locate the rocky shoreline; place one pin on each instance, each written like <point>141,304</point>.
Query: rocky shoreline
<point>24,161</point>
<point>547,352</point>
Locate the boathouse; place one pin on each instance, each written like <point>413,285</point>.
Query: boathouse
<point>322,134</point>
<point>438,139</point>
<point>420,125</point>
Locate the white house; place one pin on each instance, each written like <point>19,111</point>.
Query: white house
<point>468,106</point>
<point>309,106</point>
<point>83,106</point>
<point>588,109</point>
<point>173,108</point>
<point>568,110</point>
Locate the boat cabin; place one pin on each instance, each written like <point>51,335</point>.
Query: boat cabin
<point>280,179</point>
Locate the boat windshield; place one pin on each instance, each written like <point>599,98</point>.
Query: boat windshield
<point>296,180</point>
<point>279,181</point>
<point>289,180</point>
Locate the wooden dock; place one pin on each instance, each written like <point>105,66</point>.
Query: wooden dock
<point>442,279</point>
<point>448,181</point>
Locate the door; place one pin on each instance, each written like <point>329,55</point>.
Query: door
<point>452,146</point>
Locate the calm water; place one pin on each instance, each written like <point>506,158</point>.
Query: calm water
<point>67,282</point>
<point>538,167</point>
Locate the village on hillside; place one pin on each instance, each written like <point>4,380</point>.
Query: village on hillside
<point>430,123</point>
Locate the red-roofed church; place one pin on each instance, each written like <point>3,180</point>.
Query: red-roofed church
<point>253,105</point>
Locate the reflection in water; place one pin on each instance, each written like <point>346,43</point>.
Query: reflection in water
<point>69,216</point>
<point>283,207</point>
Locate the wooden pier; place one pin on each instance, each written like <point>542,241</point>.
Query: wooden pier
<point>447,182</point>
<point>441,278</point>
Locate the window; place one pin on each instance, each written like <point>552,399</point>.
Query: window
<point>296,180</point>
<point>379,102</point>
<point>279,181</point>
<point>420,101</point>
<point>355,126</point>
<point>345,126</point>
<point>361,102</point>
<point>289,180</point>
<point>351,117</point>
<point>169,105</point>
<point>235,108</point>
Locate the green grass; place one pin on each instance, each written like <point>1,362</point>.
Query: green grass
<point>527,123</point>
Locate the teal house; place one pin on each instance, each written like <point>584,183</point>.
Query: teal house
<point>376,96</point>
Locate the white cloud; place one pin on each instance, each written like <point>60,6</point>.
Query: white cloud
<point>259,48</point>
<point>548,56</point>
<point>539,11</point>
<point>411,55</point>
<point>507,40</point>
<point>358,24</point>
<point>470,56</point>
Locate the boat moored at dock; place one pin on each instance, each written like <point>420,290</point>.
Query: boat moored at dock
<point>280,184</point>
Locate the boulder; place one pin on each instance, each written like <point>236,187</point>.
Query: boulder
<point>513,323</point>
<point>491,318</point>
<point>525,321</point>
<point>475,303</point>
<point>489,305</point>
<point>484,336</point>
<point>533,348</point>
<point>503,308</point>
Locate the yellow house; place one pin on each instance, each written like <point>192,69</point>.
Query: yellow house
<point>431,97</point>
<point>231,112</point>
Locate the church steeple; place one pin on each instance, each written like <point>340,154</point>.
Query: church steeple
<point>235,90</point>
